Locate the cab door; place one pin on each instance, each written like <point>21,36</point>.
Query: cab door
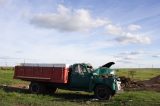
<point>80,77</point>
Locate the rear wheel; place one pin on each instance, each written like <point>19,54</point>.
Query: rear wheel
<point>51,90</point>
<point>35,87</point>
<point>102,92</point>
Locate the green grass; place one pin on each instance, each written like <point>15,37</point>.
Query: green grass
<point>6,78</point>
<point>69,98</point>
<point>140,74</point>
<point>10,96</point>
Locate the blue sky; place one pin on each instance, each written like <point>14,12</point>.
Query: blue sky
<point>70,31</point>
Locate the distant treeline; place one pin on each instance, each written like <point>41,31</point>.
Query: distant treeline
<point>138,69</point>
<point>6,68</point>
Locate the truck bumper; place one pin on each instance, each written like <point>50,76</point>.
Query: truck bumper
<point>118,85</point>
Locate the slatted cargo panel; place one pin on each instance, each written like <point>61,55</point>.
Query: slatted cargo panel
<point>56,73</point>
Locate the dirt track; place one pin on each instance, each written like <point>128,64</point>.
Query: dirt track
<point>152,84</point>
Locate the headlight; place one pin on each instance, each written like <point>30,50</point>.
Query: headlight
<point>112,72</point>
<point>118,79</point>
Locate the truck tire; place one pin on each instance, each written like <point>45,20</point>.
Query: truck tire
<point>35,87</point>
<point>51,90</point>
<point>102,92</point>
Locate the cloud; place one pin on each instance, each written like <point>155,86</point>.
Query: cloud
<point>130,57</point>
<point>132,53</point>
<point>126,57</point>
<point>77,20</point>
<point>125,36</point>
<point>156,56</point>
<point>134,27</point>
<point>5,57</point>
<point>69,20</point>
<point>114,30</point>
<point>2,2</point>
<point>133,38</point>
<point>124,61</point>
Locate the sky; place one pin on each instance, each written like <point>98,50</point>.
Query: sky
<point>126,32</point>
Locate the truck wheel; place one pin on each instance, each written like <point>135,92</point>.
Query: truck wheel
<point>102,92</point>
<point>36,88</point>
<point>52,90</point>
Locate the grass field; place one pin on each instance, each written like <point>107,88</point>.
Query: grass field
<point>6,78</point>
<point>140,74</point>
<point>20,97</point>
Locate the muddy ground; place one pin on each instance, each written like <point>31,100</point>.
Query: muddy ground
<point>152,84</point>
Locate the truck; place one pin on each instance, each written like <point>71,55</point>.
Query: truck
<point>46,78</point>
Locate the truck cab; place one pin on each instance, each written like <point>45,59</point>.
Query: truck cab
<point>80,76</point>
<point>102,80</point>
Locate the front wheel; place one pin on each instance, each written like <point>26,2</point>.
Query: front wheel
<point>102,92</point>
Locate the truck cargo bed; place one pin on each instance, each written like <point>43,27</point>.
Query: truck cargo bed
<point>55,73</point>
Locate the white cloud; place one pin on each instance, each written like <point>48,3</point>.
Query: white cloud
<point>156,56</point>
<point>2,2</point>
<point>113,29</point>
<point>124,61</point>
<point>127,56</point>
<point>66,19</point>
<point>133,38</point>
<point>130,57</point>
<point>134,27</point>
<point>126,37</point>
<point>137,59</point>
<point>133,53</point>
